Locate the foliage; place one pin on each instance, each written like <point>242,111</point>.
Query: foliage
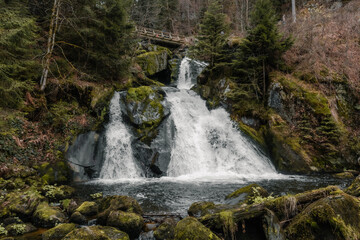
<point>214,31</point>
<point>3,231</point>
<point>19,228</point>
<point>261,50</point>
<point>258,198</point>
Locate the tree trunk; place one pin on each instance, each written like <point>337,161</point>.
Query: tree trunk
<point>51,43</point>
<point>293,10</point>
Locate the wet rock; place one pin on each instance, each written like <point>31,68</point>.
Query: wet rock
<point>166,230</point>
<point>354,188</point>
<point>78,218</point>
<point>96,233</point>
<point>58,232</point>
<point>131,223</point>
<point>192,229</point>
<point>88,208</point>
<point>46,216</point>
<point>272,226</point>
<point>20,228</point>
<point>20,203</point>
<point>11,220</point>
<point>199,209</point>
<point>344,175</point>
<point>246,194</point>
<point>332,217</point>
<point>113,203</point>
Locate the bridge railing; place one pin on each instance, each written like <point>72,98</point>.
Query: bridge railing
<point>153,33</point>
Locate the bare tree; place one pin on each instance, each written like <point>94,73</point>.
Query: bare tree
<point>51,42</point>
<point>293,10</point>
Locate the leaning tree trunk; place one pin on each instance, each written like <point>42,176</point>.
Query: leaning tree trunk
<point>293,10</point>
<point>50,43</point>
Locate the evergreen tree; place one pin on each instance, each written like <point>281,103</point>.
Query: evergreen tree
<point>97,37</point>
<point>213,34</point>
<point>262,49</point>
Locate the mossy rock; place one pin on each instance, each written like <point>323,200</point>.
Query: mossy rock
<point>97,233</point>
<point>58,232</point>
<point>56,173</point>
<point>55,193</point>
<point>354,188</point>
<point>131,223</point>
<point>155,61</point>
<point>246,194</point>
<point>113,203</point>
<point>69,205</point>
<point>199,209</point>
<point>88,208</point>
<point>47,216</point>
<point>332,217</point>
<point>20,203</point>
<point>78,218</point>
<point>166,230</point>
<point>20,228</point>
<point>191,229</point>
<point>16,171</point>
<point>344,175</point>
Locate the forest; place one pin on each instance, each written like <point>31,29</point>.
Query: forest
<point>179,119</point>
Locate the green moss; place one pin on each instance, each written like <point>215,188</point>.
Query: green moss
<point>229,224</point>
<point>246,194</point>
<point>46,216</point>
<point>58,232</point>
<point>88,208</point>
<point>139,94</point>
<point>191,229</point>
<point>154,61</point>
<point>199,209</point>
<point>130,223</point>
<point>96,233</point>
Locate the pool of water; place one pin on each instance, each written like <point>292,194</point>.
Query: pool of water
<point>175,195</point>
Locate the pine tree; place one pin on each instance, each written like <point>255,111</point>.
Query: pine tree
<point>213,34</point>
<point>262,49</point>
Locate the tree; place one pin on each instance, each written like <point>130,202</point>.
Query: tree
<point>262,49</point>
<point>213,34</point>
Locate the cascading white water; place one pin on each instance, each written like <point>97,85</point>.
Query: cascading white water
<point>119,160</point>
<point>207,143</point>
<point>187,77</point>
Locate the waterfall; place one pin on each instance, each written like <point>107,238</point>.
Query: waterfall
<point>207,142</point>
<point>189,70</point>
<point>119,161</point>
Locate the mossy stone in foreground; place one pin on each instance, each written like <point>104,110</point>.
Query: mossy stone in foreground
<point>88,208</point>
<point>130,223</point>
<point>96,233</point>
<point>58,232</point>
<point>46,216</point>
<point>166,230</point>
<point>191,229</point>
<point>246,194</point>
<point>199,209</point>
<point>332,217</point>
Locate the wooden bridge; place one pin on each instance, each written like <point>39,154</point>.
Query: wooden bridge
<point>162,37</point>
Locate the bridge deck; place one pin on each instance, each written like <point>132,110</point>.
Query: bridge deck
<point>162,36</point>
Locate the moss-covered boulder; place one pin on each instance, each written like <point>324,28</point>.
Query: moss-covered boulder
<point>55,173</point>
<point>246,194</point>
<point>131,223</point>
<point>20,203</point>
<point>191,229</point>
<point>78,218</point>
<point>344,175</point>
<point>166,230</point>
<point>57,193</point>
<point>58,232</point>
<point>113,203</point>
<point>69,205</point>
<point>97,233</point>
<point>88,208</point>
<point>20,228</point>
<point>354,188</point>
<point>332,217</point>
<point>199,209</point>
<point>154,61</point>
<point>16,171</point>
<point>47,216</point>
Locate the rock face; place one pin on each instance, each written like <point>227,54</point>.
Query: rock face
<point>96,233</point>
<point>192,229</point>
<point>130,223</point>
<point>154,61</point>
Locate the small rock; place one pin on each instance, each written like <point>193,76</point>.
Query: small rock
<point>78,218</point>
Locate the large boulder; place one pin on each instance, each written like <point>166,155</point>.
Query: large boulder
<point>130,223</point>
<point>246,194</point>
<point>88,208</point>
<point>191,229</point>
<point>114,203</point>
<point>166,230</point>
<point>20,203</point>
<point>47,216</point>
<point>154,61</point>
<point>97,233</point>
<point>332,217</point>
<point>199,209</point>
<point>58,232</point>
